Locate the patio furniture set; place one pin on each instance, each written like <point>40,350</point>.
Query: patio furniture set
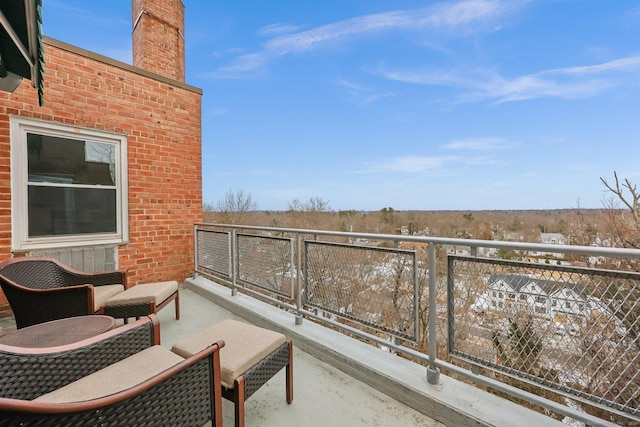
<point>74,367</point>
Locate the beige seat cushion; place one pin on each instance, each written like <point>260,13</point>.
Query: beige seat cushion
<point>102,293</point>
<point>244,346</point>
<point>114,378</point>
<point>157,292</point>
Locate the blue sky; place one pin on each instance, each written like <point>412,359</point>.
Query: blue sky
<point>464,105</point>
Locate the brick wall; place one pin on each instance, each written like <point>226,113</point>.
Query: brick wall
<point>162,121</point>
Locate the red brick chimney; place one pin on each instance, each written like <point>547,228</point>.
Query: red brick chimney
<point>158,37</point>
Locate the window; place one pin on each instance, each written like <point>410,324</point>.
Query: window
<point>69,185</point>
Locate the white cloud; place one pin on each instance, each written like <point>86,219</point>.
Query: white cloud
<point>226,52</point>
<point>634,14</point>
<point>624,65</point>
<point>246,66</point>
<point>414,164</point>
<point>568,83</point>
<point>480,144</point>
<point>362,94</point>
<point>447,164</point>
<point>456,17</point>
<point>278,29</point>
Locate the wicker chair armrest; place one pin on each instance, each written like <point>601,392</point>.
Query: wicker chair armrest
<point>101,278</point>
<point>28,373</point>
<point>189,393</point>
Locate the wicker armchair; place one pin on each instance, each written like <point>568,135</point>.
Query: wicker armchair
<point>42,289</point>
<point>37,387</point>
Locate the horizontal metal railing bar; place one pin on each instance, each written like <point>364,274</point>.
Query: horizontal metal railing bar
<point>472,243</point>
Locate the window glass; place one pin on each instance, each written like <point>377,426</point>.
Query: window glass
<point>55,211</point>
<point>70,161</point>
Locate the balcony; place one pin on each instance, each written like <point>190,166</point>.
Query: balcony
<point>370,351</point>
<point>440,326</point>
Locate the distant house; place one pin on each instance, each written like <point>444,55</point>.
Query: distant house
<point>457,250</point>
<point>567,301</point>
<point>544,298</point>
<point>550,239</point>
<point>107,172</point>
<point>504,291</point>
<point>553,239</point>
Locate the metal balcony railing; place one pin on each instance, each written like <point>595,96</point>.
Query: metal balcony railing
<point>544,331</point>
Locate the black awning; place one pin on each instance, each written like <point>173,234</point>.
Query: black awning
<point>21,50</point>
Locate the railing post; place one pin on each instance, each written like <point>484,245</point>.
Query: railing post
<point>433,373</point>
<point>299,316</point>
<point>416,297</point>
<point>196,256</point>
<point>234,264</point>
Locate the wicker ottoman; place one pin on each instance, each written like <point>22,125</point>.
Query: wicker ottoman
<point>250,357</point>
<point>142,300</point>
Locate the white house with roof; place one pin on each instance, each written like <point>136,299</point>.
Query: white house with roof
<point>550,239</point>
<point>568,301</point>
<point>543,298</point>
<point>553,239</point>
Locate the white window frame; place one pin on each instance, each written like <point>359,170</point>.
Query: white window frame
<point>20,240</point>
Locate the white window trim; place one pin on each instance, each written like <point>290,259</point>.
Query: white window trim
<point>20,240</point>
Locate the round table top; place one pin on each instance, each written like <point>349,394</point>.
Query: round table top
<point>59,332</point>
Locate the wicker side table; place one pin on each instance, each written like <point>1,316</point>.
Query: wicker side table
<point>59,332</point>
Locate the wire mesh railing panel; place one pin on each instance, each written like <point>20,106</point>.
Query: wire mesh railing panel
<point>213,252</point>
<point>374,287</point>
<point>266,263</point>
<point>574,330</point>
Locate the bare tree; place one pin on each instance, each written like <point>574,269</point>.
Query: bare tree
<point>318,204</point>
<point>314,204</point>
<point>625,231</point>
<point>632,203</point>
<point>237,201</point>
<point>295,206</point>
